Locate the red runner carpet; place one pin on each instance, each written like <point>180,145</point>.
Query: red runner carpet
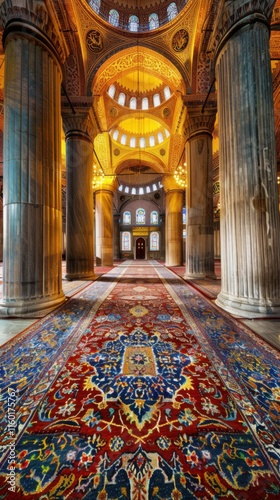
<point>140,409</point>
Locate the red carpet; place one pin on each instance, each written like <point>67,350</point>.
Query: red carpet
<point>139,409</point>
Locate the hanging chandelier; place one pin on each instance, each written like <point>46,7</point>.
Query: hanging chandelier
<point>180,175</point>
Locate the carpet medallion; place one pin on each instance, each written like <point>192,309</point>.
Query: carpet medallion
<point>140,388</point>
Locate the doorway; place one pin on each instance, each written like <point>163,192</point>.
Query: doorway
<point>140,248</point>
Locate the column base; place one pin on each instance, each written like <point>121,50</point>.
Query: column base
<point>245,308</point>
<point>193,276</point>
<point>30,308</point>
<point>80,276</point>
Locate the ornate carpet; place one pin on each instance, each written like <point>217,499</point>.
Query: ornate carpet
<point>139,388</point>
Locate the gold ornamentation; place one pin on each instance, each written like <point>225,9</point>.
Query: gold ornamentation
<point>166,112</point>
<point>180,40</point>
<point>94,41</point>
<point>113,112</point>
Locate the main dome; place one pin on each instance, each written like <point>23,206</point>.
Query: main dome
<point>137,15</point>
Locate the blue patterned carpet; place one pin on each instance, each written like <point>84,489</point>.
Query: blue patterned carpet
<point>139,388</point>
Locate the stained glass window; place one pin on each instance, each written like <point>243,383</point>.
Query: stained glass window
<point>153,21</point>
<point>133,23</point>
<point>127,217</point>
<point>184,215</point>
<point>154,241</point>
<point>140,216</point>
<point>95,5</point>
<point>114,17</point>
<point>126,241</point>
<point>154,217</point>
<point>172,11</point>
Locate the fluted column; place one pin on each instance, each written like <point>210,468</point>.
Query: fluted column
<point>79,196</point>
<point>174,197</point>
<point>250,232</point>
<point>104,222</point>
<point>32,212</point>
<point>199,194</point>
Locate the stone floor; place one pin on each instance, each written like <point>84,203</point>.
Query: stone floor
<point>268,329</point>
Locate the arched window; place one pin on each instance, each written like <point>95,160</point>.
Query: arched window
<point>114,17</point>
<point>145,103</point>
<point>142,142</point>
<point>153,21</point>
<point>121,99</point>
<point>112,91</point>
<point>132,142</point>
<point>156,99</point>
<point>133,23</point>
<point>154,217</point>
<point>154,241</point>
<point>126,241</point>
<point>167,92</point>
<point>160,137</point>
<point>140,216</point>
<point>133,103</point>
<point>95,5</point>
<point>115,135</point>
<point>184,215</point>
<point>123,139</point>
<point>152,140</point>
<point>126,217</point>
<point>133,190</point>
<point>172,11</point>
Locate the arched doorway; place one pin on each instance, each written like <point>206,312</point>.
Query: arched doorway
<point>140,248</point>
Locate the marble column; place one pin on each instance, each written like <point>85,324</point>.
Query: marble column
<point>174,197</point>
<point>79,196</point>
<point>32,208</point>
<point>199,194</point>
<point>104,222</point>
<point>250,229</point>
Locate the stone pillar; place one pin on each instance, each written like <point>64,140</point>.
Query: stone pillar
<point>32,212</point>
<point>174,198</point>
<point>250,231</point>
<point>199,194</point>
<point>104,222</point>
<point>79,196</point>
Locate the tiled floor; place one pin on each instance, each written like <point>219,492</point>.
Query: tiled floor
<point>268,329</point>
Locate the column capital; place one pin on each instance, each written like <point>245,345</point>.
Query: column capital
<point>32,19</point>
<point>170,184</point>
<point>79,122</point>
<point>233,16</point>
<point>108,183</point>
<point>198,123</point>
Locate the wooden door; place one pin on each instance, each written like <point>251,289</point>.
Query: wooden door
<point>140,248</point>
